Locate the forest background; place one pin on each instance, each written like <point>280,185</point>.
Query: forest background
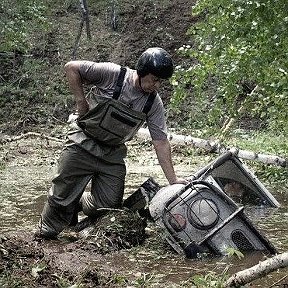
<point>230,81</point>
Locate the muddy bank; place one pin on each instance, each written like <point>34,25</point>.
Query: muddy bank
<point>26,169</point>
<point>76,258</point>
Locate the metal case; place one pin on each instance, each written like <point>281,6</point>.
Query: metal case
<point>200,217</point>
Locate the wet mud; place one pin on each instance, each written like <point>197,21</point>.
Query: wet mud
<point>120,257</point>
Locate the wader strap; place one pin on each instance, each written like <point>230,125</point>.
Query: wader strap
<point>118,88</point>
<point>149,103</point>
<point>119,83</point>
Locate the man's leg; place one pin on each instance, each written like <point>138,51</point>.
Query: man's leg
<point>75,169</point>
<point>107,188</point>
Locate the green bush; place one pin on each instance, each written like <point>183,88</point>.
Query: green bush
<point>18,19</point>
<point>240,47</point>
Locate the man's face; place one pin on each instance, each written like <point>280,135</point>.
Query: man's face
<point>150,83</point>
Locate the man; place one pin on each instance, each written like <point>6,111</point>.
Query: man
<point>112,112</point>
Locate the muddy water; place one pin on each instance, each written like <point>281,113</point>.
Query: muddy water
<point>26,168</point>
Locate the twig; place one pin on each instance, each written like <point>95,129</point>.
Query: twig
<point>229,122</point>
<point>110,209</point>
<point>274,284</point>
<point>58,120</point>
<point>85,18</point>
<point>31,134</point>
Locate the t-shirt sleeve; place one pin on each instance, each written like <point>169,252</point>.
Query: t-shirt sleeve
<point>100,74</point>
<point>156,121</point>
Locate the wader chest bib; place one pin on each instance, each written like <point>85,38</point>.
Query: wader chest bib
<point>113,122</point>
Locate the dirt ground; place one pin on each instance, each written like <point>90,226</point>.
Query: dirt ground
<point>72,260</point>
<point>109,255</point>
<point>122,250</point>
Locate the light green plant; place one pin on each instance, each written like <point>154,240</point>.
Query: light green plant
<point>144,280</point>
<point>211,280</point>
<point>35,271</point>
<point>241,46</point>
<point>19,19</point>
<point>231,252</point>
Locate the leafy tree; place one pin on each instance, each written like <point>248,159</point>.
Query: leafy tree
<point>17,19</point>
<point>239,58</point>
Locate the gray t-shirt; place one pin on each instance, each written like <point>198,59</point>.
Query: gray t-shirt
<point>103,77</point>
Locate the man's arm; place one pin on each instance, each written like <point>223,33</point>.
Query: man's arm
<point>163,152</point>
<point>76,86</point>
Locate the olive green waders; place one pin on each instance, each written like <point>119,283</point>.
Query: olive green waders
<point>76,168</point>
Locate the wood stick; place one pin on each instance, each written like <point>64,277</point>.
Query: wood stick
<point>257,271</point>
<point>217,147</point>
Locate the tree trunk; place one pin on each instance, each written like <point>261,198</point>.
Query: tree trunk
<point>263,268</point>
<point>213,147</point>
<point>217,147</point>
<point>85,15</point>
<point>229,122</point>
<point>85,18</point>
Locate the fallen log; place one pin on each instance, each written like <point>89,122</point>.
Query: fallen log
<point>217,147</point>
<point>210,146</point>
<point>30,135</point>
<point>257,271</point>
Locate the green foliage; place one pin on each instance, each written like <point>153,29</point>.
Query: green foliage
<point>144,280</point>
<point>240,46</point>
<point>18,19</point>
<point>63,282</point>
<point>260,142</point>
<point>272,174</point>
<point>38,89</point>
<point>211,279</point>
<point>234,252</point>
<point>119,279</point>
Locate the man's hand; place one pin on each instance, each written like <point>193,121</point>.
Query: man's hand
<point>181,181</point>
<point>72,118</point>
<point>82,107</point>
<point>163,151</point>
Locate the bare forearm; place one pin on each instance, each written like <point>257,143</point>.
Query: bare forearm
<point>163,151</point>
<point>76,86</point>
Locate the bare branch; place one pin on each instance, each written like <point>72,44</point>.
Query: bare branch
<point>262,269</point>
<point>85,18</point>
<point>30,135</point>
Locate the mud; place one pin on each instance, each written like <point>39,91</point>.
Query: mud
<point>121,252</point>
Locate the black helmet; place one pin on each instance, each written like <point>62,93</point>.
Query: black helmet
<point>156,61</point>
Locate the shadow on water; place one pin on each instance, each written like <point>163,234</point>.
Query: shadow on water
<point>25,180</point>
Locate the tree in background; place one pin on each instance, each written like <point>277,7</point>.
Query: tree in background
<point>18,18</point>
<point>238,64</point>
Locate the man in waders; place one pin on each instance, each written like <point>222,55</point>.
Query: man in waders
<point>121,100</point>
